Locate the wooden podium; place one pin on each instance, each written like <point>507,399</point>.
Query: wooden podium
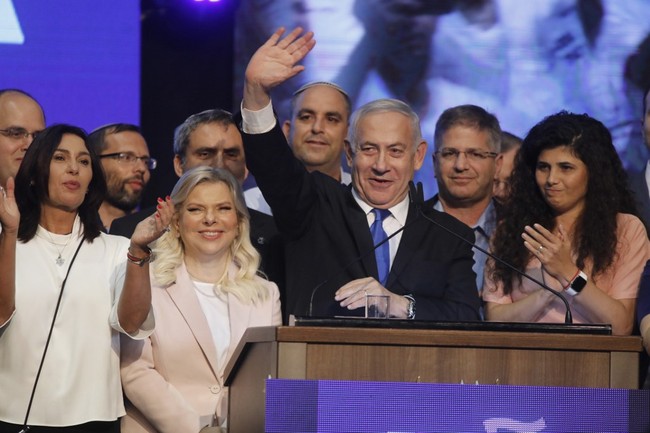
<point>421,355</point>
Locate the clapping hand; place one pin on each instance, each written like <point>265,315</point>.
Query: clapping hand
<point>9,214</point>
<point>553,249</point>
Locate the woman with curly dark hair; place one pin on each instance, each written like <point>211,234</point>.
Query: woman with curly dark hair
<point>570,223</point>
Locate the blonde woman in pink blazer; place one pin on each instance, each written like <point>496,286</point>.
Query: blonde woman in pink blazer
<point>205,293</point>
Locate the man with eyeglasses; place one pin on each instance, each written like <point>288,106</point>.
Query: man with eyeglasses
<point>209,138</point>
<point>127,166</point>
<point>21,117</point>
<point>467,156</point>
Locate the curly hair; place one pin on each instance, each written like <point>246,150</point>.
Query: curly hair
<point>607,195</point>
<point>169,249</point>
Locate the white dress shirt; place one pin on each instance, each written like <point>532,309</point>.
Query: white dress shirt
<point>80,381</point>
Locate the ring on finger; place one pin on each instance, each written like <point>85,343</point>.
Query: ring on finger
<point>540,249</point>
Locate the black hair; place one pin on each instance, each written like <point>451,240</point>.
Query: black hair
<point>32,183</point>
<point>97,138</point>
<point>607,195</point>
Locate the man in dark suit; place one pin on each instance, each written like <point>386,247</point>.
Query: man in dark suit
<point>330,228</point>
<point>639,180</point>
<point>212,138</point>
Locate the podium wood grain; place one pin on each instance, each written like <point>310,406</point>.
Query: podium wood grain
<point>418,355</point>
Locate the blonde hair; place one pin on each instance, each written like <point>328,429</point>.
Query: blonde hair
<point>169,250</point>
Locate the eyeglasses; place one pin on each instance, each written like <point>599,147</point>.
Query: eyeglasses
<point>18,133</point>
<point>129,158</point>
<point>450,154</point>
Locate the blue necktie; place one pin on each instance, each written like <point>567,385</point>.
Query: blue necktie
<point>382,254</point>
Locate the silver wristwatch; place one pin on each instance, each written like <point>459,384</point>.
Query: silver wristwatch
<point>410,309</point>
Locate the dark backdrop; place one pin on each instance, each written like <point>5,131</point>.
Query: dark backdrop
<point>187,57</point>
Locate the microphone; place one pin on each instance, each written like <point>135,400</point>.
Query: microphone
<point>416,195</point>
<point>416,200</point>
<point>417,192</point>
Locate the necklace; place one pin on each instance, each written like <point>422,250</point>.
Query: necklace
<point>59,260</point>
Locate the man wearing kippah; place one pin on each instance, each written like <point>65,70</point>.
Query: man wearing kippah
<point>316,131</point>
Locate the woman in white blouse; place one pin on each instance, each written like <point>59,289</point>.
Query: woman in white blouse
<point>66,291</point>
<point>206,292</point>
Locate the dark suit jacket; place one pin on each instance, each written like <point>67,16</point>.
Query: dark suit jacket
<point>264,236</point>
<point>639,187</point>
<point>125,226</point>
<point>328,241</point>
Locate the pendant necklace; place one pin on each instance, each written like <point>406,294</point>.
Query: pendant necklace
<point>59,260</point>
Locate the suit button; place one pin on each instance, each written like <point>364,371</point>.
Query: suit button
<point>215,389</point>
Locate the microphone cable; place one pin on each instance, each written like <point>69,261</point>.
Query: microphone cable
<point>417,191</point>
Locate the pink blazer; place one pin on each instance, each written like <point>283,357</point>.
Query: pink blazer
<point>172,379</point>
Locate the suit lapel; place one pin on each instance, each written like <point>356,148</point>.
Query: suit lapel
<point>640,188</point>
<point>240,320</point>
<point>360,232</point>
<point>409,243</point>
<point>183,296</point>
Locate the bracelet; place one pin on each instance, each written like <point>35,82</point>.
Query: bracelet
<point>140,261</point>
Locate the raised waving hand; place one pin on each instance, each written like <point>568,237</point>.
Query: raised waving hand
<point>273,63</point>
<point>9,214</point>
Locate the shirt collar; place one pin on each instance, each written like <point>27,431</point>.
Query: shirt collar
<point>346,178</point>
<point>487,222</point>
<point>399,211</point>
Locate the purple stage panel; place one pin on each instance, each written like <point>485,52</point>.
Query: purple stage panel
<point>391,407</point>
<point>80,59</point>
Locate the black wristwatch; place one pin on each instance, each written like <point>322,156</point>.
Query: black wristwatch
<point>410,309</point>
<point>578,283</point>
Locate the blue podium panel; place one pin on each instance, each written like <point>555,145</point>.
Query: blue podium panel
<point>308,406</point>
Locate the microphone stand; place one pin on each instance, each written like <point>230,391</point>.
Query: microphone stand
<point>419,201</point>
<point>356,260</point>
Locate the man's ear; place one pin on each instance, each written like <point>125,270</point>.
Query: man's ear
<point>178,166</point>
<point>286,128</point>
<point>349,154</point>
<point>420,153</point>
<point>498,163</point>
